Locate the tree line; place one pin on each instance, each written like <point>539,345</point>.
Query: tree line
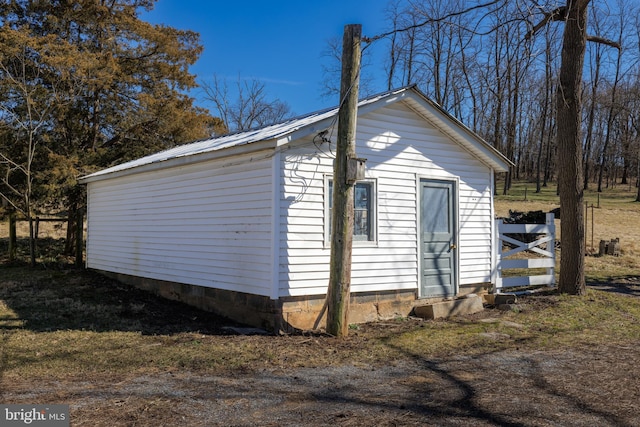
<point>86,84</point>
<point>496,69</point>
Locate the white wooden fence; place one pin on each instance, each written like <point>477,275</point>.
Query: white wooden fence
<point>543,246</point>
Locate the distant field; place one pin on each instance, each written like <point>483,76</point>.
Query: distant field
<point>54,230</point>
<point>612,213</point>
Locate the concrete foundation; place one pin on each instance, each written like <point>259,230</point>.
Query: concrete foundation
<point>286,314</point>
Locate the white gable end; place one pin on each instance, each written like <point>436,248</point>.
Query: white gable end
<point>400,148</point>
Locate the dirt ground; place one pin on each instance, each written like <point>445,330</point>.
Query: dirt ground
<point>580,386</point>
<point>583,387</point>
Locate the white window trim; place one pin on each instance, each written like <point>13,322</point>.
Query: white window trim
<point>374,213</point>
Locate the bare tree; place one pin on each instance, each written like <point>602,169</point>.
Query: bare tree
<point>393,15</point>
<point>635,122</point>
<point>332,70</point>
<point>249,109</point>
<point>613,107</point>
<point>570,147</point>
<point>29,98</point>
<point>546,116</point>
<point>595,67</point>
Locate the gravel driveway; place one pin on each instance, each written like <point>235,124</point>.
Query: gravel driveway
<point>580,387</point>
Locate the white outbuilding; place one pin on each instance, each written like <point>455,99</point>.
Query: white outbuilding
<point>239,224</point>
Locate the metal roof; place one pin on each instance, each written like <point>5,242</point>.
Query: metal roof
<point>279,131</point>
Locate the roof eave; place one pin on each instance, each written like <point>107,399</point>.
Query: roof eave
<point>265,145</point>
<point>330,119</point>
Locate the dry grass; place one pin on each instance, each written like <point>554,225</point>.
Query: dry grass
<point>53,230</point>
<point>122,357</point>
<point>57,325</point>
<point>51,238</point>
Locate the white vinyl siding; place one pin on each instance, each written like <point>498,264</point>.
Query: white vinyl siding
<point>400,147</point>
<point>207,224</point>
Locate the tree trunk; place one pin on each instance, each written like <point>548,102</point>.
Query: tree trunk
<point>512,112</point>
<point>603,159</point>
<point>570,182</point>
<point>32,241</point>
<point>410,58</point>
<point>547,158</point>
<point>75,202</point>
<point>638,177</point>
<point>69,246</point>
<point>592,113</point>
<point>610,121</point>
<point>338,292</point>
<point>545,113</point>
<point>13,241</point>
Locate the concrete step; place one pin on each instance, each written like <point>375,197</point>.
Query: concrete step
<point>439,310</point>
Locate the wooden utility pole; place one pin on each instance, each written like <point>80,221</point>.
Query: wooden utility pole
<point>342,214</point>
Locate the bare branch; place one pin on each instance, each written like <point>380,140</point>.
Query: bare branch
<point>251,107</point>
<point>429,21</point>
<point>13,205</point>
<point>12,164</point>
<point>558,14</point>
<point>602,40</point>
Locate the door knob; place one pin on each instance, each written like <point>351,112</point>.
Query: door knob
<point>453,246</point>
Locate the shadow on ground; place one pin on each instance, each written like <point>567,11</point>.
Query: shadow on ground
<point>627,285</point>
<point>43,300</point>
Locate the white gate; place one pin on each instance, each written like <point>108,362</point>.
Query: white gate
<point>542,249</point>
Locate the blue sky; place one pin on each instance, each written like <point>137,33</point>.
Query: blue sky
<point>278,42</point>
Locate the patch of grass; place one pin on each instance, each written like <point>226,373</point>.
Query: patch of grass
<point>80,353</point>
<point>541,322</point>
<point>58,325</point>
<point>598,317</point>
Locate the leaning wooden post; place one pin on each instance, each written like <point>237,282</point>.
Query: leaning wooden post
<point>338,292</point>
<point>13,243</point>
<point>79,238</point>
